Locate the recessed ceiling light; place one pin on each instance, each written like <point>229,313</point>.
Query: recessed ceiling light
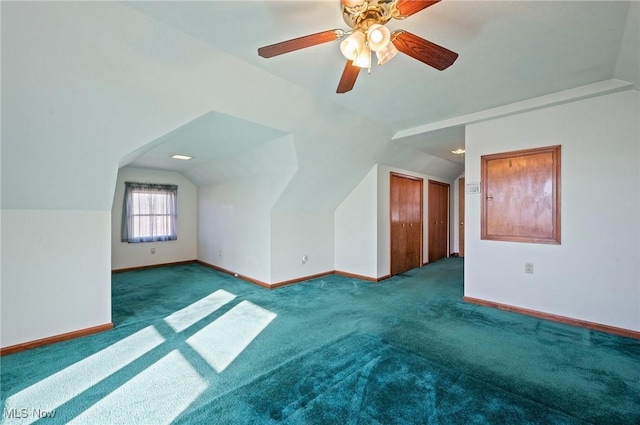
<point>183,157</point>
<point>459,151</point>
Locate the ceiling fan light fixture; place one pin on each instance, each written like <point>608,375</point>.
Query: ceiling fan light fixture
<point>363,60</point>
<point>378,37</point>
<point>351,46</point>
<point>386,54</point>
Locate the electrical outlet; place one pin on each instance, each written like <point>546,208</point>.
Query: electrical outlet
<point>304,259</point>
<point>220,253</point>
<point>153,250</point>
<point>528,268</point>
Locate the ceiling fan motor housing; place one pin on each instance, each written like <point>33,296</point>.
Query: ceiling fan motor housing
<point>362,16</point>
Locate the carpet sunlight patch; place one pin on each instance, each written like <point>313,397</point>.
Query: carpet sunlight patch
<point>171,379</point>
<point>57,389</point>
<point>188,316</point>
<point>220,342</point>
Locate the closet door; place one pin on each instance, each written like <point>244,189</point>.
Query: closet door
<point>406,223</point>
<point>438,220</point>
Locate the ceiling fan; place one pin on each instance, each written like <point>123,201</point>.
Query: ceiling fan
<point>367,19</point>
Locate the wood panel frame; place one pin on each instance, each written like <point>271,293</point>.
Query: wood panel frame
<point>553,224</point>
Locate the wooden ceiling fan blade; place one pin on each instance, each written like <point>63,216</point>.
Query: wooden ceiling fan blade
<point>423,50</point>
<point>406,8</point>
<point>348,79</point>
<point>299,43</point>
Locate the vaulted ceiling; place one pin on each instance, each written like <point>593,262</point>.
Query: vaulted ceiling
<point>509,51</point>
<point>90,86</point>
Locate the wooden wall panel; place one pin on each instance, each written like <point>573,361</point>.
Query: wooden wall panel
<point>521,196</point>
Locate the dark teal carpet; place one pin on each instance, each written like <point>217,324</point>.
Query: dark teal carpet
<point>328,351</point>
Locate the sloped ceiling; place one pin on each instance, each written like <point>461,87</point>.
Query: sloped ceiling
<point>211,136</point>
<point>90,86</point>
<point>509,51</point>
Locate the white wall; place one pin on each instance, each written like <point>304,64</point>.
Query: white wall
<point>234,211</point>
<point>356,229</point>
<point>104,82</point>
<point>298,233</point>
<point>55,273</point>
<point>125,255</point>
<point>239,231</point>
<point>234,227</point>
<point>594,275</point>
<point>628,65</point>
<point>384,217</point>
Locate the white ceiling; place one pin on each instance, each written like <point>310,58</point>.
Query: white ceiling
<point>509,51</point>
<point>213,135</point>
<point>91,86</point>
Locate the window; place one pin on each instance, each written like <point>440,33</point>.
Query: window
<point>521,196</point>
<point>149,212</point>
